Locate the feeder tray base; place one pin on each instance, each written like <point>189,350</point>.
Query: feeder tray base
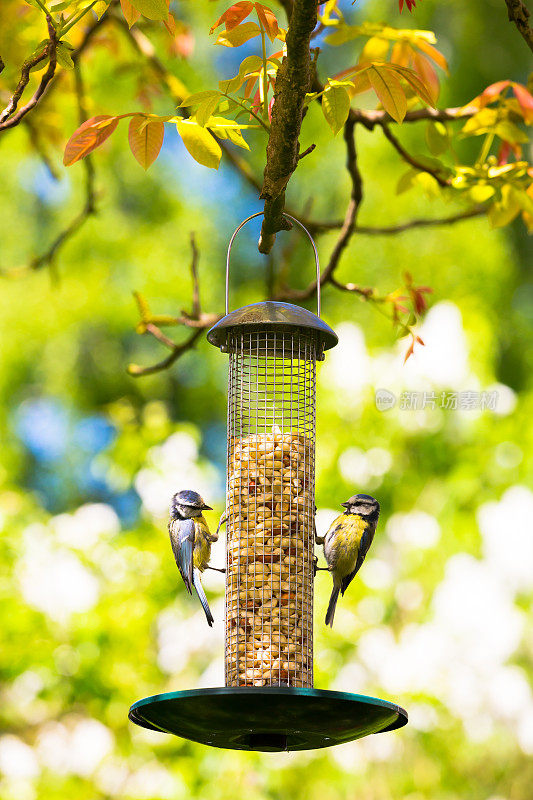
<point>270,718</point>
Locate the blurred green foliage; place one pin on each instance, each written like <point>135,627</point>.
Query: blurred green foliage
<point>93,614</point>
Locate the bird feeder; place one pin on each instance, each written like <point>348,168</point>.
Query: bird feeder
<point>268,702</point>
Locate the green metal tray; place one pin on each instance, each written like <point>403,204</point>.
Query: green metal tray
<point>270,718</point>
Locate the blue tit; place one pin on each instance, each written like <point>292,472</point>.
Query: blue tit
<point>191,541</point>
<point>347,542</point>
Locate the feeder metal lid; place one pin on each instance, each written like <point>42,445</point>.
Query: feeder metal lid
<point>271,315</point>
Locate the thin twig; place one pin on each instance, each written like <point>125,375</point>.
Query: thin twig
<point>419,165</point>
<point>10,116</point>
<point>89,207</point>
<point>348,226</point>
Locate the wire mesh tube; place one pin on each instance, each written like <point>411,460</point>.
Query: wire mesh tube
<point>271,505</point>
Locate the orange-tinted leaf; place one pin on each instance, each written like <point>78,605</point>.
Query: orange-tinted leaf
<point>131,14</point>
<point>525,100</point>
<point>361,83</point>
<point>88,137</point>
<point>233,15</point>
<point>433,53</point>
<point>170,24</point>
<point>410,351</point>
<point>145,137</point>
<point>388,88</point>
<point>495,89</point>
<point>427,74</point>
<point>400,54</point>
<point>416,83</point>
<point>239,35</point>
<point>268,21</point>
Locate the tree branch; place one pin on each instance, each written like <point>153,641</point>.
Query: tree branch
<point>293,81</point>
<point>10,116</point>
<point>519,14</point>
<point>348,226</point>
<point>411,160</point>
<point>89,208</point>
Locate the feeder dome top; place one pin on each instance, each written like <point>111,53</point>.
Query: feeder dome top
<point>272,316</point>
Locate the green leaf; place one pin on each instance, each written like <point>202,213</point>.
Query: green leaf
<point>436,138</point>
<point>152,9</point>
<point>336,107</point>
<point>63,56</point>
<point>200,144</point>
<point>206,108</point>
<point>199,97</point>
<point>406,181</point>
<point>388,88</point>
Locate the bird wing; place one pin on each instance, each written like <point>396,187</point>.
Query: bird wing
<point>364,546</point>
<point>182,540</point>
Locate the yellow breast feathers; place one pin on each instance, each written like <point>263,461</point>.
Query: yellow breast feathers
<point>202,543</point>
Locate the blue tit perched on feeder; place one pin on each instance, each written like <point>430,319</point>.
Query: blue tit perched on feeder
<point>347,542</point>
<point>191,541</point>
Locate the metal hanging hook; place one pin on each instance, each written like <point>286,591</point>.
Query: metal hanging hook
<point>293,219</point>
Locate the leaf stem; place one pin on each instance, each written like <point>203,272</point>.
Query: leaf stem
<point>77,19</point>
<point>263,124</point>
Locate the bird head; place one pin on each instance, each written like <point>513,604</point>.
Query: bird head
<point>364,505</point>
<point>187,504</point>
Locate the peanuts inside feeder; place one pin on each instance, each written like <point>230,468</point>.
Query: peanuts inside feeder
<point>269,702</point>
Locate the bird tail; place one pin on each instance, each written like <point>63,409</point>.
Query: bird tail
<point>201,596</point>
<point>332,606</point>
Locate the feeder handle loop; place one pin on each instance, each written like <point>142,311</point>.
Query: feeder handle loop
<point>288,216</point>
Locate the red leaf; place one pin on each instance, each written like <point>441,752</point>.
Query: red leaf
<point>525,100</point>
<point>234,15</point>
<point>88,137</point>
<point>268,20</point>
<point>409,3</point>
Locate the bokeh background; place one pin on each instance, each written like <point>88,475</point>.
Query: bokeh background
<point>93,615</point>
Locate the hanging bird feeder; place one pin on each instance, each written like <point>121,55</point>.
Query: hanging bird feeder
<point>268,702</point>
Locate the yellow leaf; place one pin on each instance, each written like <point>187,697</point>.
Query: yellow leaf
<point>503,212</point>
<point>152,9</point>
<point>206,109</point>
<point>200,144</point>
<point>239,35</point>
<point>146,138</point>
<point>375,49</point>
<point>388,88</point>
<point>336,107</point>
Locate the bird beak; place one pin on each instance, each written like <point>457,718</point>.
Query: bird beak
<point>206,508</point>
<point>345,504</point>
